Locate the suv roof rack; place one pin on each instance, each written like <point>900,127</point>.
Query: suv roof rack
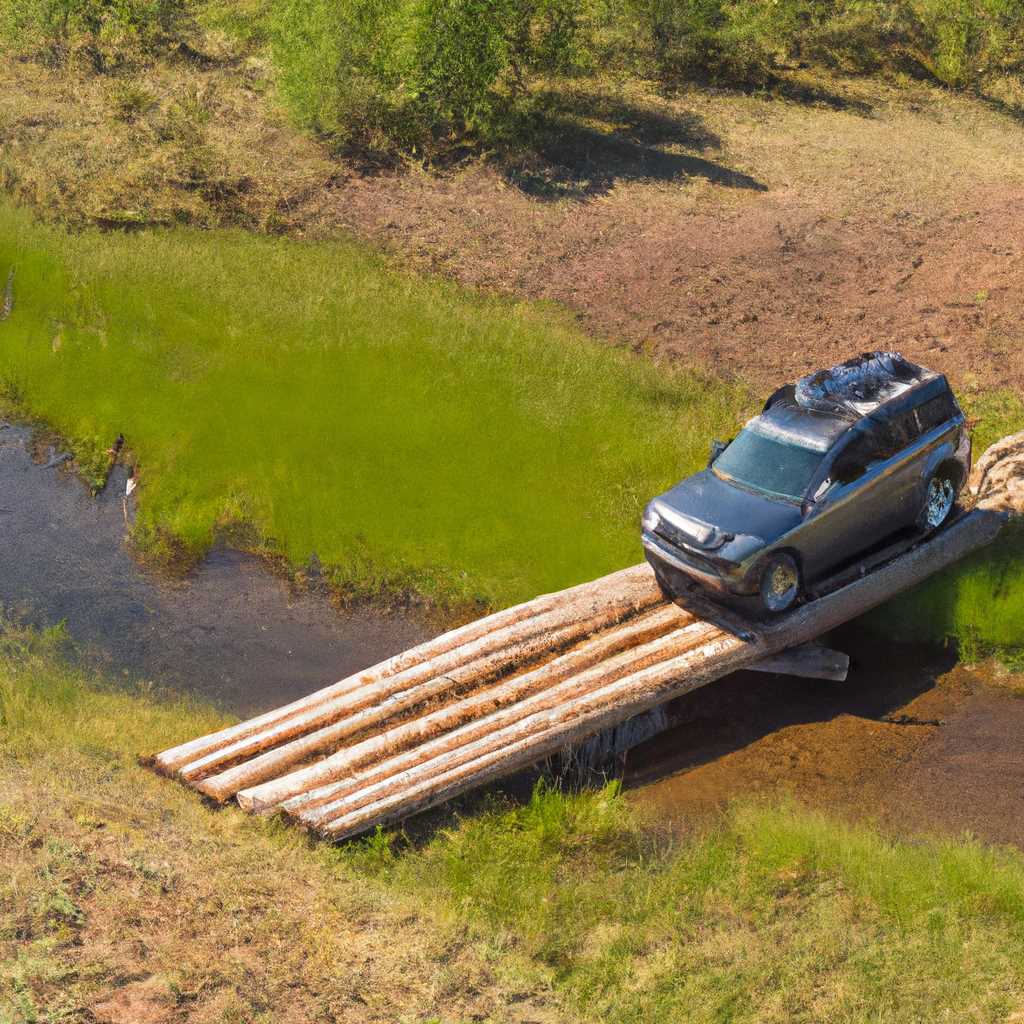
<point>860,385</point>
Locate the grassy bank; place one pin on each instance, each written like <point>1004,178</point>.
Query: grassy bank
<point>122,894</point>
<point>408,432</point>
<point>414,435</point>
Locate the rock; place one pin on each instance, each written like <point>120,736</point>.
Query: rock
<point>997,480</point>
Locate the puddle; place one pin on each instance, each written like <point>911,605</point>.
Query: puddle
<point>232,632</point>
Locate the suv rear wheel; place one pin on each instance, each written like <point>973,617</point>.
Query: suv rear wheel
<point>780,582</point>
<point>939,499</point>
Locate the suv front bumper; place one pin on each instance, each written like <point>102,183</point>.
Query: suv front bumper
<point>726,579</point>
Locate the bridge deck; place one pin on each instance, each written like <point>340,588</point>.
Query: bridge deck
<point>501,693</point>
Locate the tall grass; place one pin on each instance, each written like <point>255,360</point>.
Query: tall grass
<point>779,914</point>
<point>773,914</point>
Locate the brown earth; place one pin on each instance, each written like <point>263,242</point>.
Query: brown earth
<point>750,236</point>
<point>768,289</point>
<point>912,741</point>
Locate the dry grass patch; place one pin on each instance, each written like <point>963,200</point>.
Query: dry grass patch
<point>124,899</point>
<point>164,143</point>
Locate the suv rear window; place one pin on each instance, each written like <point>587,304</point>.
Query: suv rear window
<point>935,411</point>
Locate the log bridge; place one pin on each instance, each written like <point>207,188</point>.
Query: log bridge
<point>511,689</point>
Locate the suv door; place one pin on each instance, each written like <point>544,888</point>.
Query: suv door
<point>839,521</point>
<point>900,467</point>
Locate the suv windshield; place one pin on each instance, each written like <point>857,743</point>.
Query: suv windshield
<point>768,464</point>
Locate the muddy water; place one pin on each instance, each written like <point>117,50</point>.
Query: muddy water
<point>912,741</point>
<point>232,633</point>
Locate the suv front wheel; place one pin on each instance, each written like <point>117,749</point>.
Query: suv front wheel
<point>780,583</point>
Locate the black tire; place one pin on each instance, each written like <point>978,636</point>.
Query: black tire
<point>781,584</point>
<point>940,496</point>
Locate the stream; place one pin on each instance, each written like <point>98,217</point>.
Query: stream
<point>913,739</point>
<point>231,633</point>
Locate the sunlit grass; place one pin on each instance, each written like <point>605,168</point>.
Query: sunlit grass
<point>408,432</point>
<point>774,914</point>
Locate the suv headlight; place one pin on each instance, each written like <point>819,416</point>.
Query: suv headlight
<point>651,518</point>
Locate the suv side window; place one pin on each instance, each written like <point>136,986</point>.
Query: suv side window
<point>897,433</point>
<point>935,411</point>
<point>853,461</point>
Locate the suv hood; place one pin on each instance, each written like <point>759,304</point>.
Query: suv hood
<point>727,509</point>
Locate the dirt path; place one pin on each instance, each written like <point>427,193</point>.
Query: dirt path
<point>231,633</point>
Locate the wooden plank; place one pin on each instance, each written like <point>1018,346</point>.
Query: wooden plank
<point>489,653</point>
<point>570,723</point>
<point>808,661</point>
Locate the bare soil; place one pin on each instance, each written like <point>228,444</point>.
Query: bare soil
<point>751,237</point>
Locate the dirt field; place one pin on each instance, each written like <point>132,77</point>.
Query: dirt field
<point>752,236</point>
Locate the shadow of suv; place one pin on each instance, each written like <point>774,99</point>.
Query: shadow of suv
<point>832,466</point>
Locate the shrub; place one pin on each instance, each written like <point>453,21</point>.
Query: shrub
<point>410,73</point>
<point>956,42</point>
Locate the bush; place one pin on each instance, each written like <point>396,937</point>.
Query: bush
<point>410,73</point>
<point>956,42</point>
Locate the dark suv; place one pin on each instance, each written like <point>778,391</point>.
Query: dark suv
<point>832,466</point>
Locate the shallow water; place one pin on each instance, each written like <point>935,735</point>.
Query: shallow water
<point>231,632</point>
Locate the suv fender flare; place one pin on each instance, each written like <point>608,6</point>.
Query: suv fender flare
<point>943,458</point>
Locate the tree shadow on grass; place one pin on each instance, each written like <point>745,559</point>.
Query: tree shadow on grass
<point>581,146</point>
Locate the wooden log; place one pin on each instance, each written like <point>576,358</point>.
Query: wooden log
<point>809,661</point>
<point>566,724</point>
<point>261,766</point>
<point>590,665</point>
<point>494,733</point>
<point>304,735</point>
<point>638,578</point>
<point>638,630</point>
<point>486,655</point>
<point>549,731</point>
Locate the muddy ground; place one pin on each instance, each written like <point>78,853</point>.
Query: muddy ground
<point>911,740</point>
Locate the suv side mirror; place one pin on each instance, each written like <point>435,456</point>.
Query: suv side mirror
<point>717,447</point>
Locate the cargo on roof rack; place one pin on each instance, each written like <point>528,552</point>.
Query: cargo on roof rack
<point>860,385</point>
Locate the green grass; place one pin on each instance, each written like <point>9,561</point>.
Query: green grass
<point>979,602</point>
<point>774,914</point>
<point>414,435</point>
<point>408,432</point>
